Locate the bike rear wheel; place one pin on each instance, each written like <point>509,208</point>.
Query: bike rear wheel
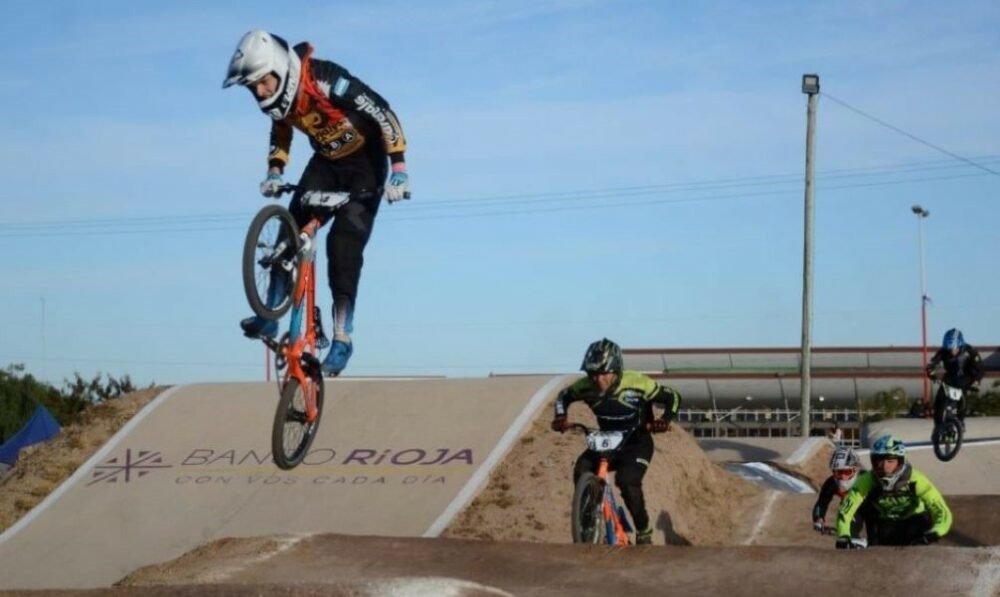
<point>291,434</point>
<point>588,500</point>
<point>947,439</point>
<point>271,241</point>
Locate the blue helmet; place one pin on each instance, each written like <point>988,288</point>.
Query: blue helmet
<point>953,339</point>
<point>888,446</point>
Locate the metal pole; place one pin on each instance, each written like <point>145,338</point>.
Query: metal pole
<point>44,355</point>
<point>922,213</point>
<point>810,86</point>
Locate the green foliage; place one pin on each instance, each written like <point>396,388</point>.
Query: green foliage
<point>21,393</point>
<point>887,404</point>
<point>985,403</point>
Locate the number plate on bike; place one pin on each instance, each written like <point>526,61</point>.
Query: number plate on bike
<point>953,393</point>
<point>604,441</point>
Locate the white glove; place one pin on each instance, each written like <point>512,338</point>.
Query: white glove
<point>271,186</point>
<point>399,184</point>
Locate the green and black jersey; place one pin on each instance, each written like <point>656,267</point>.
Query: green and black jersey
<point>626,406</point>
<point>914,495</point>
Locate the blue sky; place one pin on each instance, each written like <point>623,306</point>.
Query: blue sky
<point>579,168</point>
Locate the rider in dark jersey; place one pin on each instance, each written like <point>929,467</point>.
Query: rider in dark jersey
<point>621,401</point>
<point>963,369</point>
<point>356,139</point>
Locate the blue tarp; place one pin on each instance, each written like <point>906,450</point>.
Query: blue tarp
<point>40,427</point>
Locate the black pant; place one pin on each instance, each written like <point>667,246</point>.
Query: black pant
<point>940,399</point>
<point>630,465</point>
<point>900,532</point>
<point>362,174</point>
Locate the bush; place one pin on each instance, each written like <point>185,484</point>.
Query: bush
<point>21,393</point>
<point>986,402</point>
<point>887,404</point>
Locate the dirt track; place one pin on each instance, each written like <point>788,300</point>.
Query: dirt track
<point>340,562</point>
<point>741,540</point>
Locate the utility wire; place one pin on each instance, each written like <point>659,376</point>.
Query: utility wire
<point>911,136</point>
<point>536,202</point>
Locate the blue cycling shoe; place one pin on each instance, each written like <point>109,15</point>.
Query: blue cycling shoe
<point>336,359</point>
<point>258,327</point>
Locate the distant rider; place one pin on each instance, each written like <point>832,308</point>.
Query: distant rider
<point>907,508</point>
<point>621,401</point>
<point>963,369</point>
<point>356,139</point>
<point>845,468</point>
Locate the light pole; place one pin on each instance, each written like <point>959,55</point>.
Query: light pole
<point>922,213</point>
<point>810,86</point>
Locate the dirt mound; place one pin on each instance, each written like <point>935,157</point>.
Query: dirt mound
<point>528,497</point>
<point>372,565</point>
<point>42,467</point>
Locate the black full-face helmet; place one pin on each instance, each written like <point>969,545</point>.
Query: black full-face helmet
<point>603,356</point>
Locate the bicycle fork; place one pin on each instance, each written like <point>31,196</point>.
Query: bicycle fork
<point>615,522</point>
<point>302,348</point>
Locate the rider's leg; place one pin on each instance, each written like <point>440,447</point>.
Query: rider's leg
<point>256,326</point>
<point>939,399</point>
<point>345,246</point>
<point>585,463</point>
<point>630,467</point>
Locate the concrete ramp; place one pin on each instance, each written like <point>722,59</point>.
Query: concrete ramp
<point>392,457</point>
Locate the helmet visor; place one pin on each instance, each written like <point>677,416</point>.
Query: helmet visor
<point>843,474</point>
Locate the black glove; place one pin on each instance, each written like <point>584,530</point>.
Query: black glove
<point>843,542</point>
<point>560,424</point>
<point>659,426</point>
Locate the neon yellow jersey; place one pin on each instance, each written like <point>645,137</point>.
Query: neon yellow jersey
<point>915,494</point>
<point>625,406</point>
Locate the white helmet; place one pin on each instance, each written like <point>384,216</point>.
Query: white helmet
<point>260,53</point>
<point>845,465</point>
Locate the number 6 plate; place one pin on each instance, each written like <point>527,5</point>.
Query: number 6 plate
<point>604,441</point>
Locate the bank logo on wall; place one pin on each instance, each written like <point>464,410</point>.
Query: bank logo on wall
<point>321,466</point>
<point>124,469</point>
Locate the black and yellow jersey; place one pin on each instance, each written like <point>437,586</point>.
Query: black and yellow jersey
<point>338,112</point>
<point>626,406</point>
<point>913,496</point>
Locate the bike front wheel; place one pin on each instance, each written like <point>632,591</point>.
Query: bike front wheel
<point>291,433</point>
<point>588,519</point>
<point>947,439</point>
<point>270,268</point>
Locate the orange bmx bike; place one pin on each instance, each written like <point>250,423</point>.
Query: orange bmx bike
<point>279,274</point>
<point>597,517</point>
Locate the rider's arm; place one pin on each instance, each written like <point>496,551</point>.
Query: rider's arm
<point>281,144</point>
<point>653,392</point>
<point>975,366</point>
<point>852,501</point>
<point>567,397</point>
<point>937,358</point>
<point>350,93</point>
<point>670,399</point>
<point>934,502</point>
<point>825,497</point>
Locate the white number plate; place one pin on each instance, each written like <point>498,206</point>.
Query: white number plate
<point>953,393</point>
<point>604,441</point>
